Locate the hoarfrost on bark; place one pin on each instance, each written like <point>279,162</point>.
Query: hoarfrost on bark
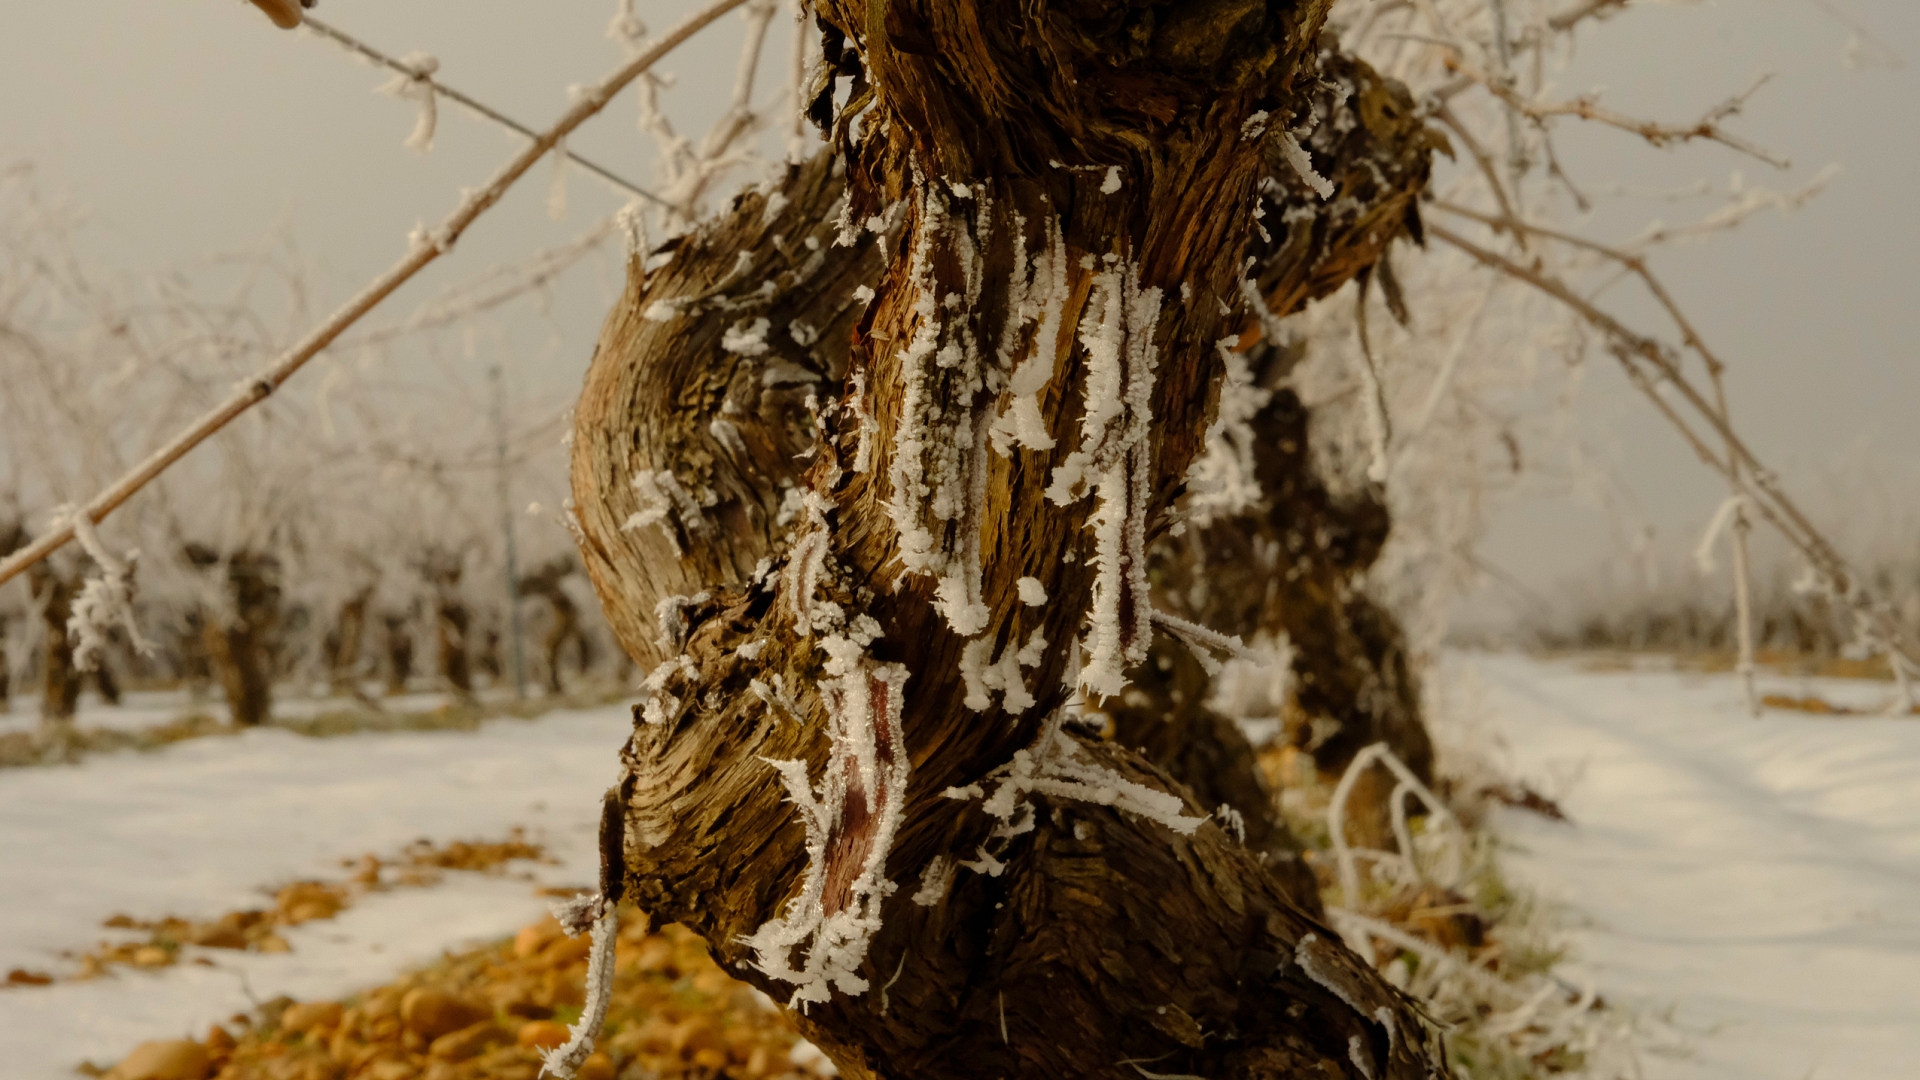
<point>1114,461</point>
<point>850,817</point>
<point>666,504</point>
<point>1032,593</point>
<point>939,466</point>
<point>746,338</point>
<point>983,678</point>
<point>1221,482</point>
<point>1053,766</point>
<point>935,879</point>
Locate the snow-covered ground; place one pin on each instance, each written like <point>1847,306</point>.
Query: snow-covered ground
<point>202,827</point>
<point>1756,881</point>
<point>1760,878</point>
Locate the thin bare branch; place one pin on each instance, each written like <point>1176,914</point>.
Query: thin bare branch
<point>1658,134</point>
<point>426,248</point>
<point>1742,470</point>
<point>362,49</point>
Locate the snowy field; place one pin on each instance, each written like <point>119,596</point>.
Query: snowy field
<point>1755,882</point>
<point>1753,885</point>
<point>203,827</point>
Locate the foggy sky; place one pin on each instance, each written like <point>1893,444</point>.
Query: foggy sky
<point>191,127</point>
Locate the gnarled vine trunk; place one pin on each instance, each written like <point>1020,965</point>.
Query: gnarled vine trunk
<point>868,473</point>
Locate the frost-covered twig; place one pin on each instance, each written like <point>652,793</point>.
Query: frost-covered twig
<point>104,602</point>
<point>436,243</point>
<point>575,916</point>
<point>1343,853</point>
<point>1707,127</point>
<point>1651,364</point>
<point>486,112</point>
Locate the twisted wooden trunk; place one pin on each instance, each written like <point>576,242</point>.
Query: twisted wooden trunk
<point>826,442</point>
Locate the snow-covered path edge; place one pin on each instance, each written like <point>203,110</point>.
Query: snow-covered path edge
<point>1759,878</point>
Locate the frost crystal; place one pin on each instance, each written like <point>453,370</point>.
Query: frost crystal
<point>104,602</point>
<point>939,466</point>
<point>666,504</point>
<point>1053,767</point>
<point>1115,461</point>
<point>1221,482</point>
<point>850,818</point>
<point>418,86</point>
<point>746,338</point>
<point>565,1061</point>
<point>1003,675</point>
<point>1303,164</point>
<point>1032,593</point>
<point>935,880</point>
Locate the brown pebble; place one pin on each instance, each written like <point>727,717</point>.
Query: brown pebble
<point>311,1015</point>
<point>468,1041</point>
<point>151,956</point>
<point>273,943</point>
<point>532,938</point>
<point>596,1067</point>
<point>543,1034</point>
<point>431,1013</point>
<point>175,1059</point>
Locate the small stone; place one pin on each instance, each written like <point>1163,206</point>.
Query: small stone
<point>272,943</point>
<point>176,1059</point>
<point>697,1034</point>
<point>388,1069</point>
<point>431,1013</point>
<point>311,1015</point>
<point>468,1041</point>
<point>151,956</point>
<point>23,977</point>
<point>532,938</point>
<point>220,935</point>
<point>543,1035</point>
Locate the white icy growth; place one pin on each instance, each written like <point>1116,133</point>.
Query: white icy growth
<point>1032,593</point>
<point>1037,297</point>
<point>1221,482</point>
<point>746,338</point>
<point>983,678</point>
<point>666,504</point>
<point>1112,183</point>
<point>418,87</point>
<point>939,464</point>
<point>1053,767</point>
<point>1302,163</point>
<point>935,880</point>
<point>864,789</point>
<point>1255,125</point>
<point>565,1061</point>
<point>104,602</point>
<point>660,704</point>
<point>1114,462</point>
<point>670,615</point>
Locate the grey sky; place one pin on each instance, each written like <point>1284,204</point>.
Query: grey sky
<point>191,127</point>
